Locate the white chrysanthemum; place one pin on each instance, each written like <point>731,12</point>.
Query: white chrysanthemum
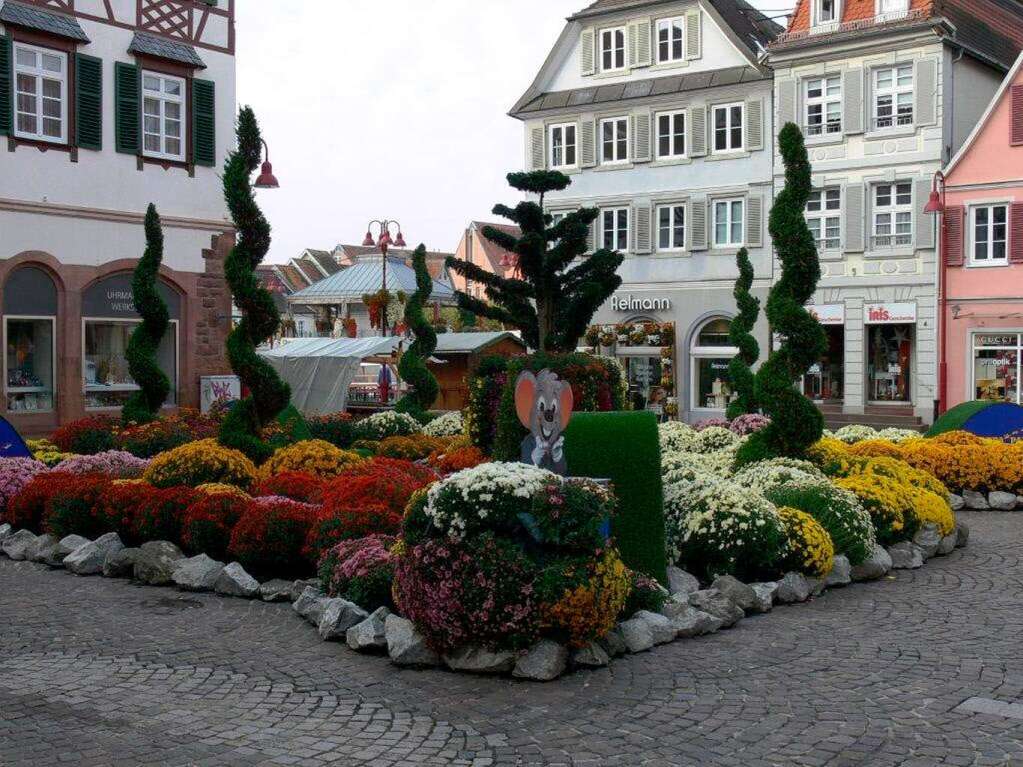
<point>897,435</point>
<point>715,438</point>
<point>448,425</point>
<point>775,472</point>
<point>677,437</point>
<point>855,433</point>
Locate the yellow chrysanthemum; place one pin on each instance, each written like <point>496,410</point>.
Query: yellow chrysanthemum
<point>589,611</point>
<point>199,463</point>
<point>810,548</point>
<point>315,456</point>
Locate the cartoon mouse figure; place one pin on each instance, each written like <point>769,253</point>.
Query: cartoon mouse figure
<point>544,406</point>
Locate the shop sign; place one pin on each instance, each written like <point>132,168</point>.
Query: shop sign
<point>828,314</point>
<point>889,314</point>
<point>631,303</point>
<point>1010,339</point>
<point>213,389</point>
<point>113,298</point>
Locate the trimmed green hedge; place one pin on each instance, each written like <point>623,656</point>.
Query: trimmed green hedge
<point>624,447</point>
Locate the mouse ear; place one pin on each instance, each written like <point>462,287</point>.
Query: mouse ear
<point>566,401</point>
<point>525,397</point>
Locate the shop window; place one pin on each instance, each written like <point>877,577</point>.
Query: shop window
<point>29,363</point>
<point>996,366</point>
<point>823,382</point>
<point>710,355</point>
<point>890,356</point>
<point>29,338</point>
<point>105,374</point>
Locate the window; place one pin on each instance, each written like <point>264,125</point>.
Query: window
<point>823,105</point>
<point>42,94</point>
<point>29,363</point>
<point>671,40</point>
<point>728,127</point>
<point>106,378</point>
<point>671,135</point>
<point>990,235</point>
<point>728,222</point>
<point>893,215</point>
<point>614,140</point>
<point>893,96</point>
<point>563,146</point>
<point>824,217</point>
<point>825,12</point>
<point>163,111</point>
<point>671,227</point>
<point>612,49</point>
<point>615,225</point>
<point>711,352</point>
<point>997,362</point>
<point>888,10</point>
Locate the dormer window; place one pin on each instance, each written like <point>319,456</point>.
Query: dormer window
<point>825,13</point>
<point>612,49</point>
<point>671,40</point>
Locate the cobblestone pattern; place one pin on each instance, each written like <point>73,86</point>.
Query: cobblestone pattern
<point>101,672</point>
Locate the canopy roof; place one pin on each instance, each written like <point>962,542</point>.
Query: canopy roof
<point>351,284</point>
<point>468,343</point>
<point>352,348</point>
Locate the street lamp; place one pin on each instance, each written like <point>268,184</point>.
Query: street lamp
<point>384,242</point>
<point>936,206</point>
<point>267,179</point>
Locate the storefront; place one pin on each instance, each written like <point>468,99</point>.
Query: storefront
<point>108,320</point>
<point>996,366</point>
<point>825,380</point>
<point>710,355</point>
<point>646,349</point>
<point>891,350</point>
<point>30,341</point>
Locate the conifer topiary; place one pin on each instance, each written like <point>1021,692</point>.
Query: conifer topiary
<point>154,385</point>
<point>412,368</point>
<point>551,304</point>
<point>796,423</point>
<point>243,424</point>
<point>740,369</point>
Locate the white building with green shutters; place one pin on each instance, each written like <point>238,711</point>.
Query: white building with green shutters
<point>885,93</point>
<point>106,106</point>
<point>661,113</point>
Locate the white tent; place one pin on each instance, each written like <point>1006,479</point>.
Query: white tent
<point>320,370</point>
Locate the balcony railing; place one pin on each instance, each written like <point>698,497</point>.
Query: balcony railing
<point>892,121</point>
<point>883,241</point>
<point>824,129</point>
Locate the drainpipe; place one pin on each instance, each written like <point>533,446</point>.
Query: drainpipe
<point>937,205</point>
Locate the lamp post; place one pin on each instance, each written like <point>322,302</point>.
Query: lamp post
<point>266,178</point>
<point>936,205</point>
<point>384,242</point>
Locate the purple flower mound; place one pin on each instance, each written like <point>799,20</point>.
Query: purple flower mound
<point>748,424</point>
<point>15,473</point>
<point>722,423</point>
<point>115,464</point>
<point>270,501</point>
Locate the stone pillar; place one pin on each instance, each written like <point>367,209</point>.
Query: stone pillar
<point>213,316</point>
<point>854,373</point>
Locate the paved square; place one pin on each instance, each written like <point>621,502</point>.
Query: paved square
<point>101,672</point>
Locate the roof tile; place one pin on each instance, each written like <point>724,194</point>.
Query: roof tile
<point>20,15</point>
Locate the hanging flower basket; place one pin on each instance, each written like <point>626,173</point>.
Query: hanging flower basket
<point>377,304</point>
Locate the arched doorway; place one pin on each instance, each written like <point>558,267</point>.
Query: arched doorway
<point>30,341</point>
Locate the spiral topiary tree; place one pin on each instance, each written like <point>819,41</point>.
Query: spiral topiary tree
<point>551,304</point>
<point>740,369</point>
<point>412,367</point>
<point>795,422</point>
<point>269,395</point>
<point>154,386</point>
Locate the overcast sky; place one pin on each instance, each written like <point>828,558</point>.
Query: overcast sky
<point>391,108</point>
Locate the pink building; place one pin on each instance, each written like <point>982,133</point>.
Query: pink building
<point>983,254</point>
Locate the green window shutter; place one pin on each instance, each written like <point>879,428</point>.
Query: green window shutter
<point>89,102</point>
<point>127,106</point>
<point>6,80</point>
<point>204,122</point>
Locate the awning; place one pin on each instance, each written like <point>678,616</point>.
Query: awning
<point>158,47</point>
<point>27,17</point>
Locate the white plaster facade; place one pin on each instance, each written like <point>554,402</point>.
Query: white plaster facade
<point>863,266</point>
<point>689,282</point>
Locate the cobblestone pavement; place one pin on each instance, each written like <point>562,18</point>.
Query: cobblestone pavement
<point>101,672</point>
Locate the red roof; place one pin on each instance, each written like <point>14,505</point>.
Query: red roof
<point>990,28</point>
